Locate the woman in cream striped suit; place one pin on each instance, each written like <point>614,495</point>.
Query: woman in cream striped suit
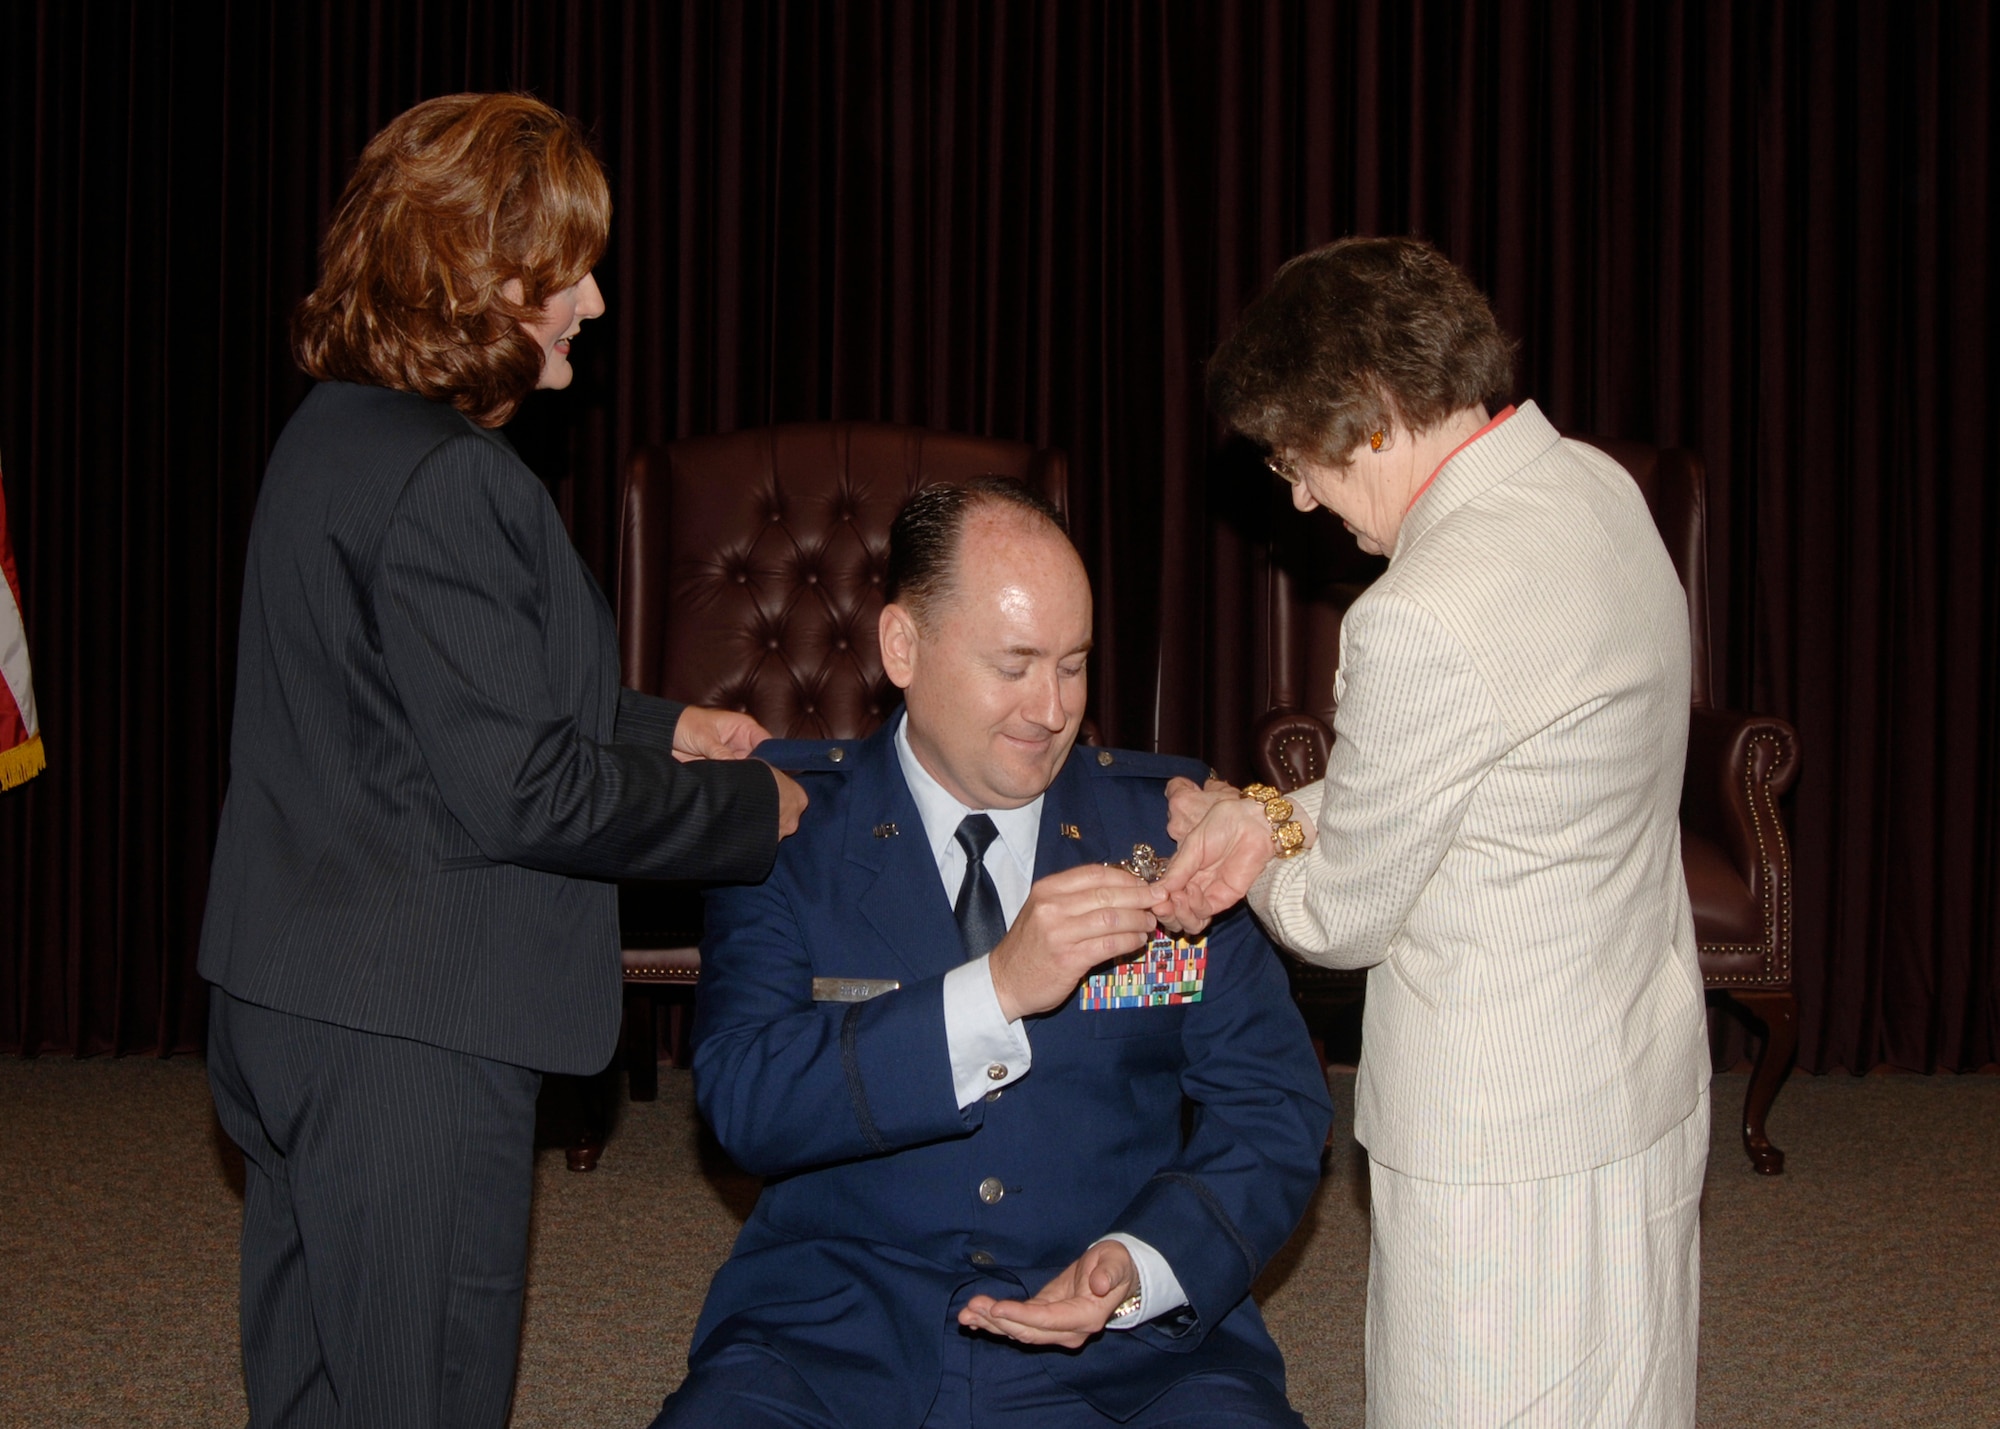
<point>1497,840</point>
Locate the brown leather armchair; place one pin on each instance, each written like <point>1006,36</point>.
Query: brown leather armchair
<point>750,571</point>
<point>1733,846</point>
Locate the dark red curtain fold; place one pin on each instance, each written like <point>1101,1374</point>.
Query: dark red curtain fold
<point>1758,231</point>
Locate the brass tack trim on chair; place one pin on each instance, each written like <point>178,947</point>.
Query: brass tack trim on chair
<point>1313,771</point>
<point>1777,906</point>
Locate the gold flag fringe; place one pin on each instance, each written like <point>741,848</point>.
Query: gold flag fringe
<point>21,763</point>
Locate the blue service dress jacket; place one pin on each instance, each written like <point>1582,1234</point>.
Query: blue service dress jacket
<point>872,1222</point>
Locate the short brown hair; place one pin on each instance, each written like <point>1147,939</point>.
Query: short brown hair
<point>925,538</point>
<point>1353,336</point>
<point>450,201</point>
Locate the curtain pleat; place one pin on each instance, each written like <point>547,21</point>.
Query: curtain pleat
<point>1758,231</point>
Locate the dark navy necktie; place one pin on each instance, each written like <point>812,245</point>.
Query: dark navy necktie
<point>981,923</point>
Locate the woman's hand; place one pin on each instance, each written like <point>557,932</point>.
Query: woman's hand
<point>703,733</point>
<point>1187,805</point>
<point>1219,857</point>
<point>791,803</point>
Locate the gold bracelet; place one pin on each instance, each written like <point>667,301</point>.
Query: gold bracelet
<point>1128,1306</point>
<point>1287,836</point>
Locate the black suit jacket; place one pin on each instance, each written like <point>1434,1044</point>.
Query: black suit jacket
<point>434,769</point>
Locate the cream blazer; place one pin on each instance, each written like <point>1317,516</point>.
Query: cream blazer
<point>1499,825</point>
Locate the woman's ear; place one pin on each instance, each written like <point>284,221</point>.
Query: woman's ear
<point>896,631</point>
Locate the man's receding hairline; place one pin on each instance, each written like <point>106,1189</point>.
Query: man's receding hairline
<point>950,583</point>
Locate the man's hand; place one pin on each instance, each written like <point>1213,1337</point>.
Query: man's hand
<point>1220,856</point>
<point>703,733</point>
<point>791,803</point>
<point>1072,921</point>
<point>1069,1309</point>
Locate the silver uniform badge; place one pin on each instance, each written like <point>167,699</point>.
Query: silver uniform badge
<point>1144,864</point>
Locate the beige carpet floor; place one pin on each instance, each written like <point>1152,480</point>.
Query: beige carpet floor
<point>1860,1288</point>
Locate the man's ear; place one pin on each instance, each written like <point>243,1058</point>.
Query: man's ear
<point>896,632</point>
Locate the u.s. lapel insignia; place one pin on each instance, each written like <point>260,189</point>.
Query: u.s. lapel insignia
<point>1071,831</point>
<point>886,831</point>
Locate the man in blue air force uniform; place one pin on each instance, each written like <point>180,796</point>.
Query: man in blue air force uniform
<point>981,1205</point>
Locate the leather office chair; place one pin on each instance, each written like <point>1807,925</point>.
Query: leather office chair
<point>1733,845</point>
<point>750,571</point>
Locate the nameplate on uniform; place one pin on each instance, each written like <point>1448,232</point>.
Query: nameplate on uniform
<point>1170,972</point>
<point>851,989</point>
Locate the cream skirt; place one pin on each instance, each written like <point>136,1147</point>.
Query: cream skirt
<point>1569,1301</point>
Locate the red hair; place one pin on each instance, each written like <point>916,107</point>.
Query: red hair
<point>450,201</point>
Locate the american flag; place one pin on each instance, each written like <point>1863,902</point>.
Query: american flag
<point>20,732</point>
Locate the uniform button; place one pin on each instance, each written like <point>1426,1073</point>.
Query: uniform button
<point>981,1257</point>
<point>990,1190</point>
<point>994,1095</point>
<point>1103,756</point>
<point>997,1072</point>
<point>836,754</point>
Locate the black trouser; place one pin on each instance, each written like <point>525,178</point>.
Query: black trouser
<point>385,1221</point>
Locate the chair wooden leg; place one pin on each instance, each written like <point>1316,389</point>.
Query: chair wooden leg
<point>595,1096</point>
<point>1779,1012</point>
<point>641,1044</point>
<point>582,1153</point>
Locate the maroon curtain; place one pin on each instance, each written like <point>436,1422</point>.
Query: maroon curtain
<point>1759,231</point>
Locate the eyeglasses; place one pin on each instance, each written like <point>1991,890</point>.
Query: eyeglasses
<point>1281,467</point>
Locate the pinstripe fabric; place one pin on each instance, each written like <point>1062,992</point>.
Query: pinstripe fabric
<point>385,1221</point>
<point>1567,1301</point>
<point>1499,844</point>
<point>434,774</point>
<point>1498,829</point>
<point>433,768</point>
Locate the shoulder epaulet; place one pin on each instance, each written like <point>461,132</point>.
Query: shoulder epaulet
<point>1140,764</point>
<point>808,756</point>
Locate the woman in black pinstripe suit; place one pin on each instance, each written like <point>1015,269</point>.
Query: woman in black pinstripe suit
<point>435,774</point>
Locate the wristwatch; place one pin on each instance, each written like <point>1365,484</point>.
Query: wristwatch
<point>1286,834</point>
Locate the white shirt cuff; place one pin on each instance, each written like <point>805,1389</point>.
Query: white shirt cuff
<point>1159,1289</point>
<point>987,1051</point>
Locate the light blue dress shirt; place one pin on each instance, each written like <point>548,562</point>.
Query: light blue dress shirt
<point>989,1053</point>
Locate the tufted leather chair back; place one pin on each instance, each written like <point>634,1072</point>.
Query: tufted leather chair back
<point>1675,485</point>
<point>750,565</point>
